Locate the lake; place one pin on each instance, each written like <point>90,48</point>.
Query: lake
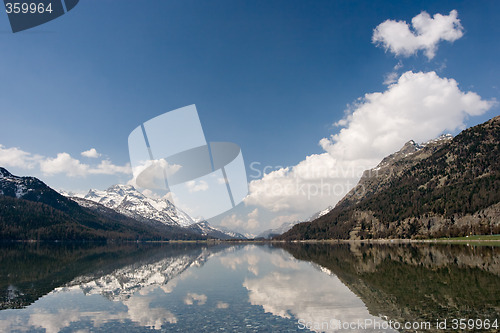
<point>188,287</point>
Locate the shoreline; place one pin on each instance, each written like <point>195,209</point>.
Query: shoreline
<point>305,241</point>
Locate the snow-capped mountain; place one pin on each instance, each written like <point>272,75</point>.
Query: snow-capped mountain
<point>26,199</point>
<point>269,233</point>
<point>410,148</point>
<point>126,200</point>
<point>277,231</point>
<point>32,189</point>
<point>320,213</point>
<point>122,283</point>
<point>205,229</point>
<point>15,186</point>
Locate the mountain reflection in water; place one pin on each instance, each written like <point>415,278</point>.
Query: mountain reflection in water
<point>245,288</point>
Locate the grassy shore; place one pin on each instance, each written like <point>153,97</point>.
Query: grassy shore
<point>475,237</point>
<point>484,240</point>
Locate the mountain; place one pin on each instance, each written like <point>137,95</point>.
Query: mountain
<point>32,189</point>
<point>379,178</point>
<point>445,187</point>
<point>284,227</point>
<point>205,229</point>
<point>270,233</point>
<point>30,210</point>
<point>407,282</point>
<point>152,272</point>
<point>115,270</point>
<point>126,200</point>
<point>321,213</point>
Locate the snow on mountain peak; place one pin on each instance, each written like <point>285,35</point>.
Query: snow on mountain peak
<point>127,200</point>
<point>439,139</point>
<point>17,186</point>
<point>410,148</point>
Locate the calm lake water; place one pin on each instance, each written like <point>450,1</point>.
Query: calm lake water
<point>247,288</point>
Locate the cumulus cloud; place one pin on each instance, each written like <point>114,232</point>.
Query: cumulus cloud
<point>391,78</point>
<point>321,298</point>
<point>91,153</point>
<point>419,106</point>
<point>222,305</point>
<point>141,312</point>
<point>15,157</point>
<point>232,221</point>
<point>63,163</point>
<point>191,298</point>
<point>108,168</point>
<point>72,167</point>
<point>279,220</point>
<point>196,186</point>
<point>424,34</point>
<point>235,261</point>
<point>235,222</point>
<point>253,222</point>
<point>151,173</point>
<point>310,186</point>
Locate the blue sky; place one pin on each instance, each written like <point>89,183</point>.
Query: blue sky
<point>272,76</point>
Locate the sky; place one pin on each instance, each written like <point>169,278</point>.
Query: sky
<point>314,92</point>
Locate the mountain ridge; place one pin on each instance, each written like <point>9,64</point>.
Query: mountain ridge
<point>449,187</point>
<point>127,200</point>
<point>31,210</point>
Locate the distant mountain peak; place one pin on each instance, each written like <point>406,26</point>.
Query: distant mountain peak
<point>121,189</point>
<point>128,201</point>
<point>204,228</point>
<point>410,148</point>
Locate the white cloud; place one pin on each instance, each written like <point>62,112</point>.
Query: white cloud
<point>151,173</point>
<point>222,305</point>
<point>72,167</point>
<point>235,261</point>
<point>196,186</point>
<point>254,213</point>
<point>279,220</point>
<point>320,298</point>
<point>232,221</point>
<point>108,168</point>
<point>64,163</point>
<point>253,222</point>
<point>398,38</point>
<point>91,153</point>
<point>15,157</point>
<point>193,297</point>
<point>141,312</point>
<point>235,222</point>
<point>391,78</point>
<point>419,106</point>
<point>307,187</point>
